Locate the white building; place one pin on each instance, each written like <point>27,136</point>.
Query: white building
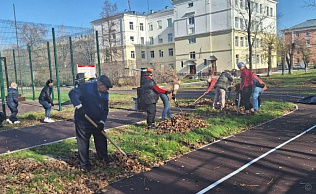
<point>186,35</point>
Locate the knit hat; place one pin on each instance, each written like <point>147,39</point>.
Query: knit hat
<point>105,81</point>
<point>240,64</point>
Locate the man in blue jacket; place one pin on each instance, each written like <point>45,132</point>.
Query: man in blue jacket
<point>91,99</point>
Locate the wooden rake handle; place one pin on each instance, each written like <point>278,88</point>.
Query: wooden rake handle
<point>103,133</point>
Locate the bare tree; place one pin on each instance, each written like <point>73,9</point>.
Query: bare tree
<point>32,34</point>
<point>306,55</point>
<point>270,42</point>
<point>310,4</point>
<point>253,13</point>
<point>109,31</point>
<point>85,49</point>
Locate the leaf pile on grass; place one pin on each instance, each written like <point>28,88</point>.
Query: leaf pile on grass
<point>19,175</point>
<point>180,123</point>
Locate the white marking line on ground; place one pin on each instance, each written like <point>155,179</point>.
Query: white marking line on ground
<point>252,162</point>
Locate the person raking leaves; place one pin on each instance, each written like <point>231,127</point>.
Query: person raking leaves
<point>91,99</point>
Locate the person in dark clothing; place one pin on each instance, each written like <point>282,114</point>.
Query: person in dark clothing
<point>150,98</point>
<point>246,86</point>
<point>13,103</point>
<point>46,101</point>
<point>91,99</point>
<point>223,83</point>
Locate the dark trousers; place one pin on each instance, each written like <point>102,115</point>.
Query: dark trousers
<point>245,97</point>
<point>14,112</point>
<point>83,134</point>
<point>151,113</point>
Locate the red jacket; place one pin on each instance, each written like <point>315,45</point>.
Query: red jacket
<point>246,78</point>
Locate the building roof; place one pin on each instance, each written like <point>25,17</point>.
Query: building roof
<point>307,24</point>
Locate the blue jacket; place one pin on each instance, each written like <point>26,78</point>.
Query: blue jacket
<point>95,104</point>
<point>12,100</point>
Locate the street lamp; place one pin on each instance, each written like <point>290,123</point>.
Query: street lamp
<point>213,67</point>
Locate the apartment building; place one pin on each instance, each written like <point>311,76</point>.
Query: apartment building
<point>303,36</point>
<point>187,35</point>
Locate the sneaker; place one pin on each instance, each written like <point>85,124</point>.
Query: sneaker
<point>48,120</point>
<point>9,121</point>
<point>16,122</point>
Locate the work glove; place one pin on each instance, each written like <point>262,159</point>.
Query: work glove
<point>81,111</point>
<point>52,104</point>
<point>100,126</point>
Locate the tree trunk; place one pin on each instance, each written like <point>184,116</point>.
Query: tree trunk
<point>249,34</point>
<point>269,58</point>
<point>283,63</point>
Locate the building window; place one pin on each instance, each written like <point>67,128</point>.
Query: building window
<point>261,10</point>
<point>236,40</point>
<point>169,20</point>
<point>141,27</point>
<point>242,26</point>
<point>151,27</point>
<point>131,26</point>
<point>160,40</point>
<point>267,8</point>
<point>308,43</point>
<point>160,53</point>
<point>256,8</point>
<point>190,4</point>
<point>181,63</point>
<point>258,59</point>
<point>247,58</point>
<point>151,40</point>
<point>191,30</point>
<point>114,37</point>
<point>192,55</point>
<point>192,40</point>
<point>133,54</point>
<point>131,38</point>
<point>271,12</point>
<point>237,58</point>
<point>242,41</point>
<point>236,3</point>
<point>143,55</point>
<point>297,34</point>
<point>236,22</point>
<point>170,37</point>
<point>159,24</point>
<point>241,4</point>
<point>246,42</point>
<point>152,54</point>
<point>142,40</point>
<point>308,34</point>
<point>191,20</point>
<point>262,57</point>
<point>170,52</point>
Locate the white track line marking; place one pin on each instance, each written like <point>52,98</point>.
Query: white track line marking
<point>252,162</point>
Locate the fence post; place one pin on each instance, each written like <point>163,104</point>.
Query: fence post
<point>15,73</point>
<point>98,52</point>
<point>72,61</point>
<point>2,87</point>
<point>50,66</point>
<point>56,68</point>
<point>31,69</point>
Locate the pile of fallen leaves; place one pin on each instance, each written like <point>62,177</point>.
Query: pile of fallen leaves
<point>19,175</point>
<point>180,123</point>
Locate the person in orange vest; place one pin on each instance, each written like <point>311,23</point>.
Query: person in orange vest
<point>258,87</point>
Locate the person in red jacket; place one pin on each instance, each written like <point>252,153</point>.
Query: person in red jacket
<point>246,86</point>
<point>150,98</point>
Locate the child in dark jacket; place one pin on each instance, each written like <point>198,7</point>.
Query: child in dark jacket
<point>13,103</point>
